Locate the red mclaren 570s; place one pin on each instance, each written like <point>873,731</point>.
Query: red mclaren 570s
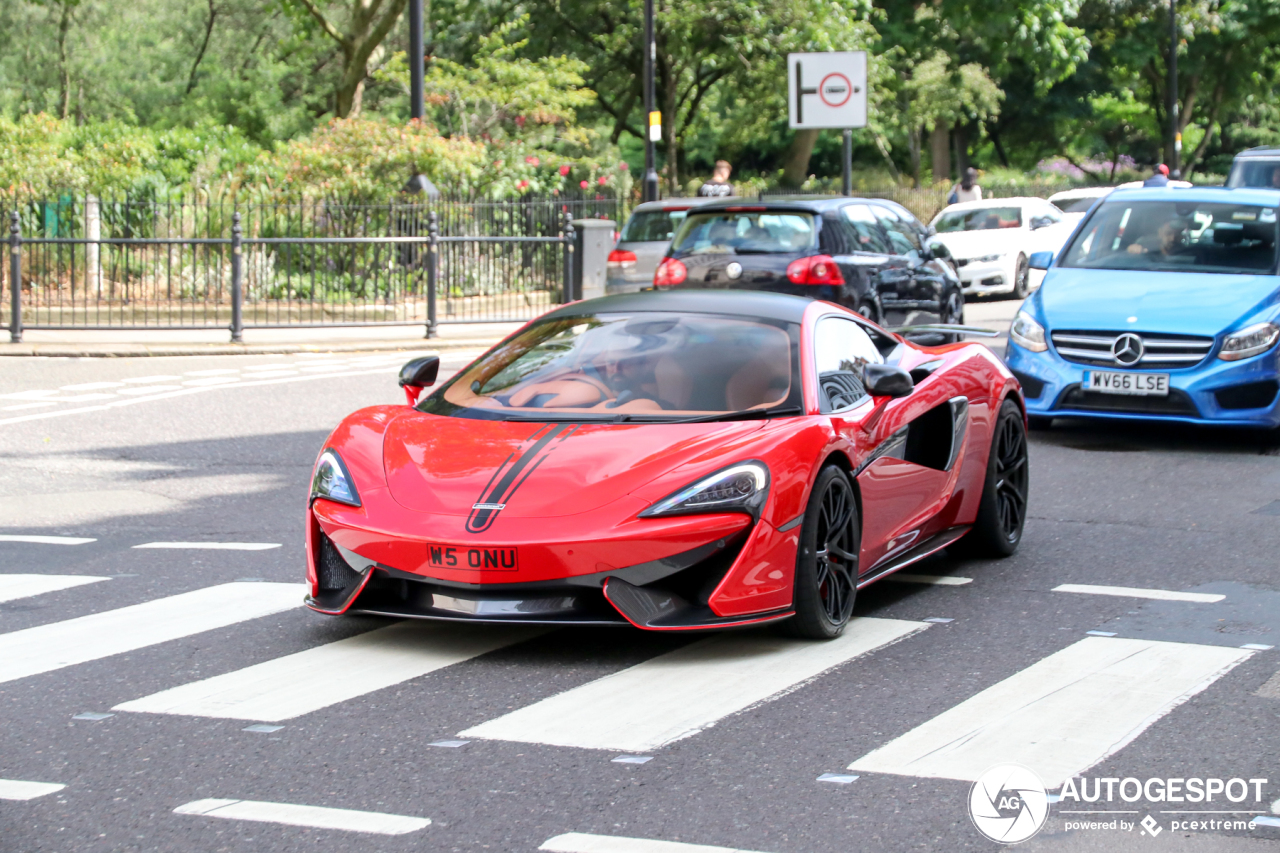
<point>675,461</point>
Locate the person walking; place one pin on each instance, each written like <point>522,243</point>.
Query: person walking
<point>718,186</point>
<point>967,189</point>
<point>1159,177</point>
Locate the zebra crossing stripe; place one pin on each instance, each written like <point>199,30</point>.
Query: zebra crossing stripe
<point>682,692</point>
<point>316,817</point>
<point>13,789</point>
<point>1059,716</point>
<point>581,842</point>
<point>13,587</point>
<point>307,681</point>
<point>45,648</point>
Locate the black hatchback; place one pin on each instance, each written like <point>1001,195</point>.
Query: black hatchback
<point>869,255</point>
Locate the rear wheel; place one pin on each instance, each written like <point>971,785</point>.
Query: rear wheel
<point>826,581</point>
<point>1003,510</point>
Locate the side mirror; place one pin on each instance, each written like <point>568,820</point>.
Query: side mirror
<point>883,380</point>
<point>418,374</point>
<point>1040,260</point>
<point>939,250</point>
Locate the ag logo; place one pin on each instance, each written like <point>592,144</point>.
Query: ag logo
<point>1008,804</point>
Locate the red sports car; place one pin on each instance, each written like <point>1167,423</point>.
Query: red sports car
<point>675,461</point>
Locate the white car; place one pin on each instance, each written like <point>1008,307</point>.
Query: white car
<point>990,241</point>
<point>1074,204</point>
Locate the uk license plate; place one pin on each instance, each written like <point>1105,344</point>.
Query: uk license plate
<point>482,558</point>
<point>1133,384</point>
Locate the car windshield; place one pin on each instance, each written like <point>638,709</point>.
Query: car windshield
<point>1176,236</point>
<point>1076,205</point>
<point>745,233</point>
<point>979,219</point>
<point>1255,173</point>
<point>652,226</point>
<point>643,366</point>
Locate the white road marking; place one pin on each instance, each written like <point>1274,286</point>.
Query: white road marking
<point>45,648</point>
<point>91,386</point>
<point>211,380</point>
<point>307,681</point>
<point>1059,716</point>
<point>149,389</point>
<point>273,374</point>
<point>1136,592</point>
<point>581,842</point>
<point>212,546</point>
<point>13,587</point>
<point>22,406</point>
<point>29,395</point>
<point>44,540</point>
<point>151,380</point>
<point>316,817</point>
<point>678,694</point>
<point>83,398</point>
<point>196,390</point>
<point>221,371</point>
<point>13,789</point>
<point>936,580</point>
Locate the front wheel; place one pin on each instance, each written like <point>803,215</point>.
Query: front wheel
<point>1022,278</point>
<point>826,581</point>
<point>1002,511</point>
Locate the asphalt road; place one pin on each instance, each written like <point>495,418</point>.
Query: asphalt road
<point>227,460</point>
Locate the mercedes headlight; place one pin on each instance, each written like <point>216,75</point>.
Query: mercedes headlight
<point>1027,333</point>
<point>738,488</point>
<point>332,481</point>
<point>1249,341</point>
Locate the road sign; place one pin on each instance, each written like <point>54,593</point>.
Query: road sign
<point>827,89</point>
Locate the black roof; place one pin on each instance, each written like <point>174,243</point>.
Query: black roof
<point>744,303</point>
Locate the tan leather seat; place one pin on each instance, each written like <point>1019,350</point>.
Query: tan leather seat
<point>762,381</point>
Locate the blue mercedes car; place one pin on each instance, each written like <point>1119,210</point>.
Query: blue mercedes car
<point>1164,304</point>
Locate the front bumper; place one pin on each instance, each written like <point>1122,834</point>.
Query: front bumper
<point>988,277</point>
<point>1212,393</point>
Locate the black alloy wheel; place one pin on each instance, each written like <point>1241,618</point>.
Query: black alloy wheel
<point>1022,278</point>
<point>826,583</point>
<point>869,309</point>
<point>953,308</point>
<point>1003,509</point>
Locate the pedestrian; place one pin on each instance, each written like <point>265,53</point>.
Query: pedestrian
<point>1159,177</point>
<point>967,189</point>
<point>718,186</point>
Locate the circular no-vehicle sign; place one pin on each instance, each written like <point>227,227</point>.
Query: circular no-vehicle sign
<point>835,89</point>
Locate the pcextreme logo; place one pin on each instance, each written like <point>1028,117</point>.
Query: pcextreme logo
<point>1008,803</point>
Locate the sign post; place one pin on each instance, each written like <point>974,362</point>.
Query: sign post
<point>829,90</point>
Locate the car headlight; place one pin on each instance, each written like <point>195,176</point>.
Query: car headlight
<point>738,488</point>
<point>986,259</point>
<point>1027,333</point>
<point>1249,341</point>
<point>332,481</point>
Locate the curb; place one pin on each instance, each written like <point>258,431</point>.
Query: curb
<point>54,350</point>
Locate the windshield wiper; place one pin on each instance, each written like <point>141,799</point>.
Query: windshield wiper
<point>742,415</point>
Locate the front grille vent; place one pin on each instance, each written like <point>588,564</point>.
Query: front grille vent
<point>1158,350</point>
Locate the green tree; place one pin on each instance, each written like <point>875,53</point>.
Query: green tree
<point>358,28</point>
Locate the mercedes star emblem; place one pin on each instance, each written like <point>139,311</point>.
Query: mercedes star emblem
<point>1127,349</point>
<point>734,270</point>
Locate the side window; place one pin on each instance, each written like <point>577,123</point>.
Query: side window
<point>834,238</point>
<point>904,237</point>
<point>841,349</point>
<point>870,237</point>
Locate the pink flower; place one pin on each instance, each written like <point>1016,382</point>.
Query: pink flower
<point>522,185</point>
<point>564,170</point>
<point>622,167</point>
<point>602,180</point>
<point>520,121</point>
<point>583,184</point>
<point>555,192</point>
<point>532,161</point>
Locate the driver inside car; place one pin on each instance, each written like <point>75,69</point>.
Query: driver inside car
<point>1170,239</point>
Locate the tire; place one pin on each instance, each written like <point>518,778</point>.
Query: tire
<point>1003,509</point>
<point>953,309</point>
<point>871,311</point>
<point>826,581</point>
<point>1022,278</point>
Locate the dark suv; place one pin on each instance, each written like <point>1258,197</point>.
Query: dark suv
<point>869,255</point>
<point>1256,167</point>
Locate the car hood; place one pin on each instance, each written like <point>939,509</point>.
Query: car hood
<point>446,465</point>
<point>1174,303</point>
<point>964,245</point>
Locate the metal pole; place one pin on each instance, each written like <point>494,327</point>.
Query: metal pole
<point>237,283</point>
<point>1175,136</point>
<point>416,60</point>
<point>570,292</point>
<point>846,185</point>
<point>15,278</point>
<point>433,260</point>
<point>650,56</point>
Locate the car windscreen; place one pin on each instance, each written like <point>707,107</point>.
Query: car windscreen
<point>1255,173</point>
<point>652,226</point>
<point>745,233</point>
<point>642,366</point>
<point>1176,236</point>
<point>1076,205</point>
<point>979,219</point>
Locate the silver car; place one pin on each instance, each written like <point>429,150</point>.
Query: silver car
<point>644,241</point>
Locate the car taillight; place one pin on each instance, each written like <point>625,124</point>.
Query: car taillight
<point>621,259</point>
<point>670,272</point>
<point>816,269</point>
